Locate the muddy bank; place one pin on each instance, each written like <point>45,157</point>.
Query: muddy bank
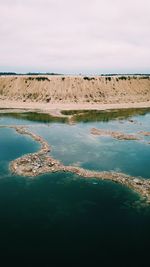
<point>55,109</point>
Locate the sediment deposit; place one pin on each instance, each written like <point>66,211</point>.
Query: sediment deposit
<point>144,133</point>
<point>114,134</point>
<point>75,90</point>
<point>40,162</point>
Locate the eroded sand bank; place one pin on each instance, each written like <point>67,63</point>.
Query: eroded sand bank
<point>54,93</point>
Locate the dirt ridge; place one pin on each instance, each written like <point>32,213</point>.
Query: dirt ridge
<point>75,89</point>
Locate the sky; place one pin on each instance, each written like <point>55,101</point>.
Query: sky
<point>75,36</point>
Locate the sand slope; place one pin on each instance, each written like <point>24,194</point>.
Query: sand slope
<point>67,89</point>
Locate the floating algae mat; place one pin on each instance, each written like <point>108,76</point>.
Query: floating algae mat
<point>68,214</point>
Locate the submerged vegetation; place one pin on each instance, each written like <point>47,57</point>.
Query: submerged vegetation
<point>96,115</point>
<point>62,215</point>
<point>33,116</point>
<point>76,115</point>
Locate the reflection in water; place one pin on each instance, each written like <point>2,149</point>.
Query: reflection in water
<point>61,217</point>
<point>77,115</point>
<point>35,117</point>
<point>105,116</point>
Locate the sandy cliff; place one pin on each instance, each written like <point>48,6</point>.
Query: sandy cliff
<point>66,89</point>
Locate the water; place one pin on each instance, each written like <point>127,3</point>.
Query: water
<point>62,219</point>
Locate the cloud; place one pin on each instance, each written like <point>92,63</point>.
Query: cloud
<point>87,36</point>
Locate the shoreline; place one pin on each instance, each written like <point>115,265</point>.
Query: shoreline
<point>34,164</point>
<point>55,109</point>
<point>38,163</point>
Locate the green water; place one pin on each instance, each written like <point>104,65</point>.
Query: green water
<point>64,220</point>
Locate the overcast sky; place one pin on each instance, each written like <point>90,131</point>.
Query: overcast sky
<point>75,36</point>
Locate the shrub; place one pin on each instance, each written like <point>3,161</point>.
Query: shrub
<point>42,79</point>
<point>38,79</point>
<point>88,78</point>
<point>145,77</point>
<point>108,78</point>
<point>122,78</point>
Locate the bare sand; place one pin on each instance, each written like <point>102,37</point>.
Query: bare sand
<point>51,94</point>
<point>55,109</point>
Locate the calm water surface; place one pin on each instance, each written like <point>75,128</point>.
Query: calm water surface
<point>62,219</point>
